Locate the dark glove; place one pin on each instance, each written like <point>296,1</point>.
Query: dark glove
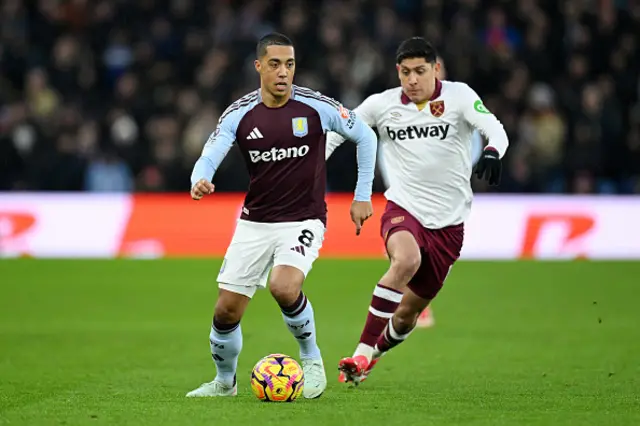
<point>489,166</point>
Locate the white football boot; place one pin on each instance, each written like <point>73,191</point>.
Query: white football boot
<point>315,379</point>
<point>214,388</point>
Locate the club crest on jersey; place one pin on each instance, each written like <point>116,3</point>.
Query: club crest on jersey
<point>437,108</point>
<point>300,127</point>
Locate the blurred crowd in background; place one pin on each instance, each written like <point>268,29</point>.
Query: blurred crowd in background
<point>120,95</point>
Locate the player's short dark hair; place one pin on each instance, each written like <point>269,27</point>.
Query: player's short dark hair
<point>416,47</point>
<point>271,39</point>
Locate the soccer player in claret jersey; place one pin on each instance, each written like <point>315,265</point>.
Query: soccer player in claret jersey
<point>425,128</point>
<point>281,131</point>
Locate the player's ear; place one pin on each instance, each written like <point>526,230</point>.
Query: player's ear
<point>436,68</point>
<point>258,65</point>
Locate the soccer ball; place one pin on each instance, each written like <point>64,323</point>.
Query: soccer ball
<point>277,378</point>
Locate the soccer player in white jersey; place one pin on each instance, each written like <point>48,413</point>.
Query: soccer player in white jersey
<point>281,132</point>
<point>425,129</point>
<point>426,318</point>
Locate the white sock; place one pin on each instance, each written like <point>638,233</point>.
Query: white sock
<point>226,344</point>
<point>301,322</point>
<point>364,349</point>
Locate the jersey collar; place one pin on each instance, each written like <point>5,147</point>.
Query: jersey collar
<point>436,94</point>
<point>293,93</point>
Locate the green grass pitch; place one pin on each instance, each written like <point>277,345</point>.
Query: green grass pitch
<point>515,343</point>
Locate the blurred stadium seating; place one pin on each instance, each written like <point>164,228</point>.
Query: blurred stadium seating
<point>117,95</point>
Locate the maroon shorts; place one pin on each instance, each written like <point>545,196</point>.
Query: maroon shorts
<point>439,248</point>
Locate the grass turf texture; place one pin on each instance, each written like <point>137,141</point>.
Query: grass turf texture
<point>121,342</point>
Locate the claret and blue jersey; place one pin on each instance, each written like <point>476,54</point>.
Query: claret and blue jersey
<point>284,151</point>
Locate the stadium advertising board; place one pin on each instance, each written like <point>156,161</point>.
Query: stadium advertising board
<point>500,227</point>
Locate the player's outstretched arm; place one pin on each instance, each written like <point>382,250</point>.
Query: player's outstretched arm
<point>214,151</point>
<point>489,166</point>
<point>355,129</point>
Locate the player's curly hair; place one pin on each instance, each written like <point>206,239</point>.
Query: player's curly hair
<point>271,39</point>
<point>416,47</point>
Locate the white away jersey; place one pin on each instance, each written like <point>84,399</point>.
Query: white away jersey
<point>426,154</point>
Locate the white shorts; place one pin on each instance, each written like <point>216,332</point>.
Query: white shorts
<point>256,247</point>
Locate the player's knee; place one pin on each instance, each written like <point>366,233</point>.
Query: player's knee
<point>406,264</point>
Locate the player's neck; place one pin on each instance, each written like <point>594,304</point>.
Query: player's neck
<point>422,101</point>
<point>274,101</point>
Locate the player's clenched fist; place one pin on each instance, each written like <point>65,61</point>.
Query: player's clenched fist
<point>360,211</point>
<point>489,166</point>
<point>201,188</point>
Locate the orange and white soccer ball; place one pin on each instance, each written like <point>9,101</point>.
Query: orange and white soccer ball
<point>277,378</point>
